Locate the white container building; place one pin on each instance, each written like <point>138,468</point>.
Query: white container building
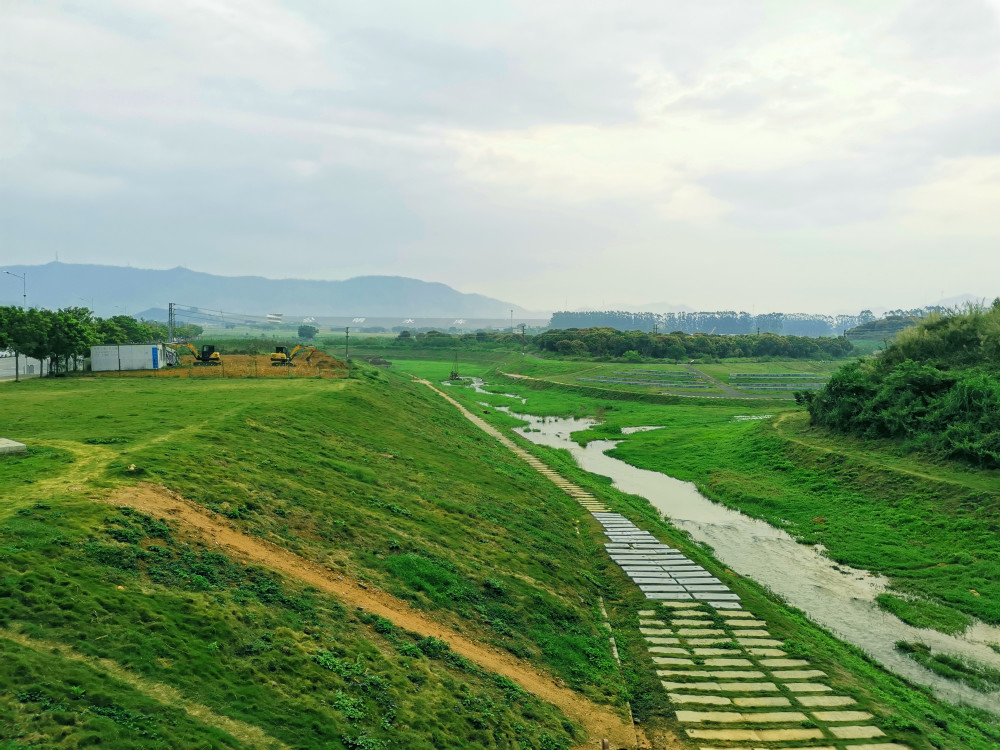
<point>128,357</point>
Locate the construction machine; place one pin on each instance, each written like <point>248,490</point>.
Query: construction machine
<point>207,357</point>
<point>283,358</point>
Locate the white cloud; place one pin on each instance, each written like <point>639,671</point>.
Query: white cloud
<point>539,152</point>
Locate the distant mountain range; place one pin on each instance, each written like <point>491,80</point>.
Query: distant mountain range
<point>112,290</point>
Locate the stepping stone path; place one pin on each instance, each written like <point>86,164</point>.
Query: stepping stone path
<point>728,679</point>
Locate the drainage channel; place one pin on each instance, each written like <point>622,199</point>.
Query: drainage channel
<point>726,677</point>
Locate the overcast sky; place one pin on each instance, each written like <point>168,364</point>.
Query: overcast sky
<point>725,154</point>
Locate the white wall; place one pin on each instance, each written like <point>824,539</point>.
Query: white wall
<point>29,368</point>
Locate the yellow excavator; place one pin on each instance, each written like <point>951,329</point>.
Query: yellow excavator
<point>207,357</point>
<point>283,358</point>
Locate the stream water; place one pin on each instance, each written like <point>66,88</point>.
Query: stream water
<point>837,597</point>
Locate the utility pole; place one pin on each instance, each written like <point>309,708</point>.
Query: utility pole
<point>170,322</point>
<point>512,322</point>
<point>522,338</point>
<point>24,305</point>
<point>24,287</point>
<point>347,342</point>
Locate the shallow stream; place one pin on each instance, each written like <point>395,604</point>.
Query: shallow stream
<point>837,597</point>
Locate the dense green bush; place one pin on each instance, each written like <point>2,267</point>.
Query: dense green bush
<point>936,388</point>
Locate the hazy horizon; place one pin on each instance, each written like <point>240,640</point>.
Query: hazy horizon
<point>734,155</point>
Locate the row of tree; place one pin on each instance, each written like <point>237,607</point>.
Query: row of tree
<point>609,342</point>
<point>59,336</point>
<point>727,322</point>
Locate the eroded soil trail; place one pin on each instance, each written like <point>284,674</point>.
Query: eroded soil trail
<point>598,721</point>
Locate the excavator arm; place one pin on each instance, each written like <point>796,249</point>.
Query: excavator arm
<point>299,349</point>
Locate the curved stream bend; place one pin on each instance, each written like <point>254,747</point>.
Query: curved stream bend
<point>837,597</point>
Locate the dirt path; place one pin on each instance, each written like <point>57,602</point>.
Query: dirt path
<point>598,721</point>
<point>245,733</point>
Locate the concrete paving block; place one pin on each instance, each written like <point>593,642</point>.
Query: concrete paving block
<point>715,587</point>
<point>797,674</point>
<point>875,746</point>
<point>690,623</point>
<point>655,631</point>
<point>706,700</point>
<point>646,613</point>
<point>856,733</point>
<point>660,641</point>
<point>763,702</point>
<point>832,716</point>
<point>668,650</point>
<point>700,631</point>
<point>720,717</point>
<point>739,614</point>
<point>759,735</point>
<point>714,596</point>
<point>784,663</point>
<point>765,652</point>
<point>680,605</point>
<point>808,687</point>
<point>723,687</point>
<point>710,674</point>
<point>715,651</point>
<point>825,700</point>
<point>758,642</point>
<point>722,605</point>
<point>649,623</point>
<point>648,578</point>
<point>691,613</point>
<point>751,633</point>
<point>728,663</point>
<point>768,717</point>
<point>665,595</point>
<point>11,447</point>
<point>706,641</point>
<point>746,623</point>
<point>659,588</point>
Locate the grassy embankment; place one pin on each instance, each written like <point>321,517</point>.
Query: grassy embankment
<point>108,615</point>
<point>868,506</point>
<point>933,527</point>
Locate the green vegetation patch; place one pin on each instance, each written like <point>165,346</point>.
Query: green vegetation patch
<point>921,613</point>
<point>936,389</point>
<point>960,669</point>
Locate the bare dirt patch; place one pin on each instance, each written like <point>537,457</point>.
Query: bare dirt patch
<point>320,365</point>
<point>598,721</point>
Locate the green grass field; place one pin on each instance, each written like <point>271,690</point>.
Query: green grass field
<point>372,476</point>
<point>703,443</point>
<point>104,612</point>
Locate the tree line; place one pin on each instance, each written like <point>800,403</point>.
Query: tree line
<point>59,336</point>
<point>727,322</point>
<point>936,388</point>
<point>610,342</point>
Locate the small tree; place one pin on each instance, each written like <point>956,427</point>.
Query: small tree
<point>307,331</point>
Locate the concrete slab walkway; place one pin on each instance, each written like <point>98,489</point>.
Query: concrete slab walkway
<point>730,680</point>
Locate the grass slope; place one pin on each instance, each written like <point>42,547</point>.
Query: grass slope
<point>372,476</point>
<point>752,465</point>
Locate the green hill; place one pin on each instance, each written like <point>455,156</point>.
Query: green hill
<point>936,388</point>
